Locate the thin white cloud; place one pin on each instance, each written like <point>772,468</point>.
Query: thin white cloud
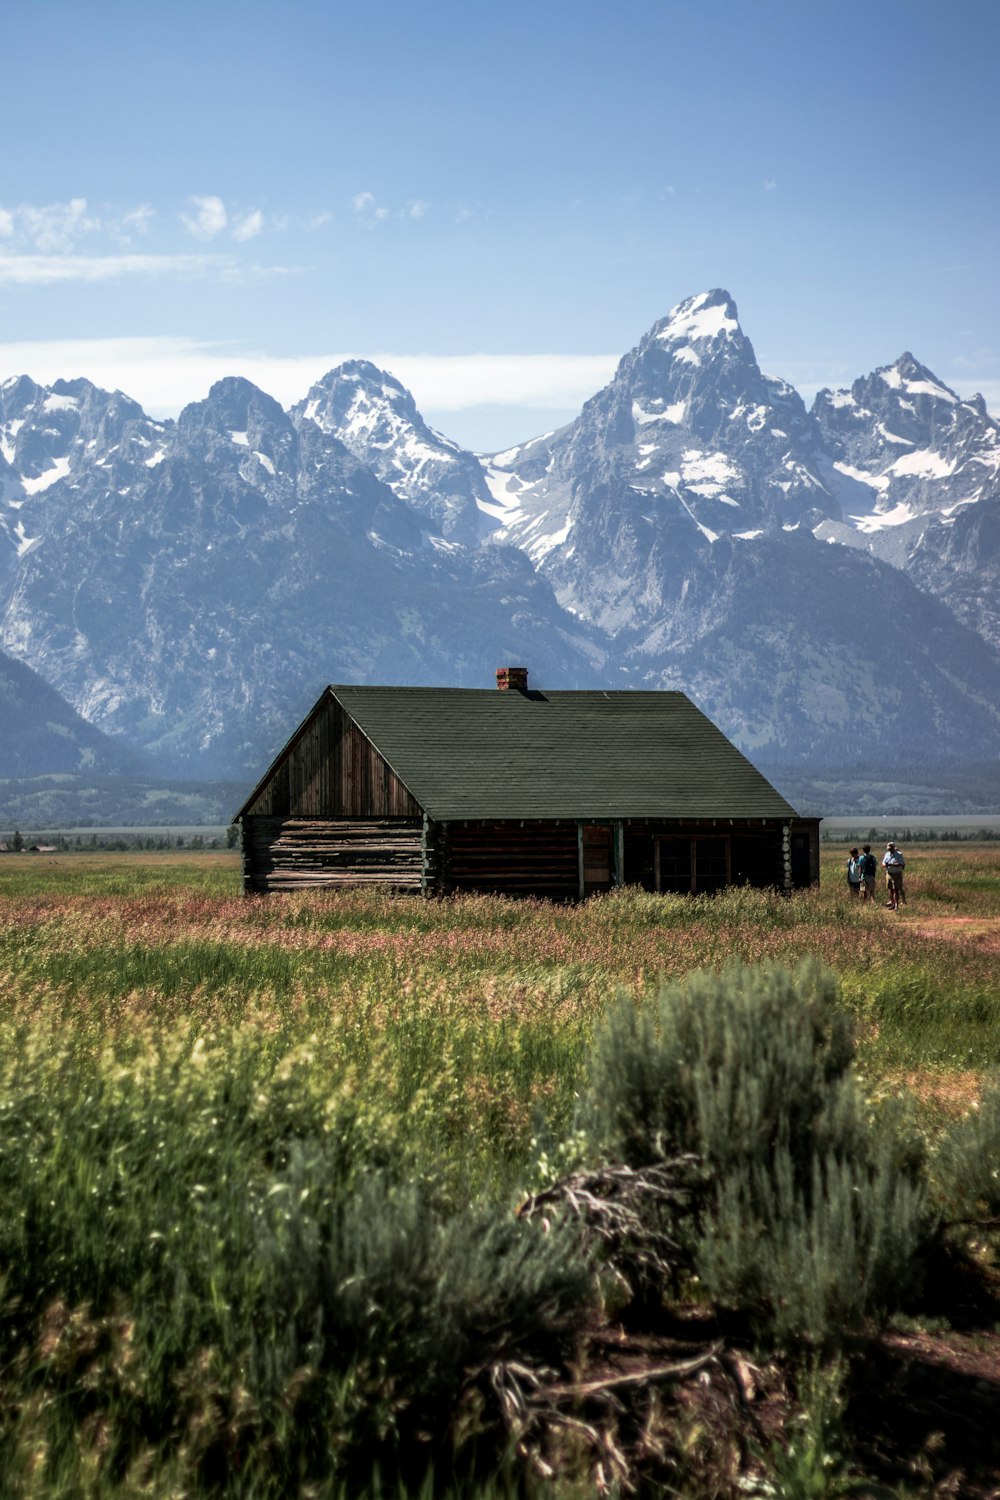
<point>6,224</point>
<point>770,184</point>
<point>164,373</point>
<point>207,218</point>
<point>50,270</point>
<point>417,209</point>
<point>248,225</point>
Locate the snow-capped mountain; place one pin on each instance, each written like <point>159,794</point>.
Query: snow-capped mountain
<point>690,442</point>
<point>50,434</point>
<point>196,597</point>
<point>377,420</point>
<point>823,582</point>
<point>916,470</point>
<point>688,511</point>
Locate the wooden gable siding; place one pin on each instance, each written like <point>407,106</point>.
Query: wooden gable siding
<point>332,770</point>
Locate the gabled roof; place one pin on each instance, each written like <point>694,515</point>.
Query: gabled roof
<point>484,754</point>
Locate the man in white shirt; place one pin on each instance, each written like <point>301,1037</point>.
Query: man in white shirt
<point>892,863</point>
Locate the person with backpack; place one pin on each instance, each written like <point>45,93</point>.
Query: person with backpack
<point>869,870</point>
<point>854,873</point>
<point>893,863</point>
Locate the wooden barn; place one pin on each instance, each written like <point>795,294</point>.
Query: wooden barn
<point>557,794</point>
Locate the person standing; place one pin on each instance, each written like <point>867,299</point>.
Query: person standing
<point>869,869</point>
<point>893,864</point>
<point>854,873</point>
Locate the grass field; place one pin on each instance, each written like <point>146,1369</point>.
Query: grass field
<point>166,1042</point>
<point>497,997</point>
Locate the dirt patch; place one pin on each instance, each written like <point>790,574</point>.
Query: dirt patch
<point>946,1093</point>
<point>925,1407</point>
<point>982,933</point>
<point>921,1410</point>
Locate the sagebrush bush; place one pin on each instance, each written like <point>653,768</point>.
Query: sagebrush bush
<point>811,1210</point>
<point>966,1165</point>
<point>730,1065</point>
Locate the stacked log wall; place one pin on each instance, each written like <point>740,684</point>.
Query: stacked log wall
<point>283,854</point>
<point>516,859</point>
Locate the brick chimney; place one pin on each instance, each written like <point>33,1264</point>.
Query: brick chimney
<point>509,678</point>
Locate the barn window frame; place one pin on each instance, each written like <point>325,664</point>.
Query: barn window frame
<point>693,840</point>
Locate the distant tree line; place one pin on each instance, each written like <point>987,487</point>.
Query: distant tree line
<point>911,835</point>
<point>144,839</point>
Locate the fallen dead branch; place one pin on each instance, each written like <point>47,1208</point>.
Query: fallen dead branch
<point>616,1206</point>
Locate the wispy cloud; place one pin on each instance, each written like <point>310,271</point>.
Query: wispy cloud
<point>975,359</point>
<point>60,228</point>
<point>367,208</point>
<point>248,225</point>
<point>48,270</point>
<point>770,184</point>
<point>50,228</point>
<point>206,217</point>
<point>138,220</point>
<point>164,373</point>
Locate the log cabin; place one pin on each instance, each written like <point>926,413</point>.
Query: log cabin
<point>553,794</point>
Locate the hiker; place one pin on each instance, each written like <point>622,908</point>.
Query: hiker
<point>869,869</point>
<point>893,863</point>
<point>854,873</point>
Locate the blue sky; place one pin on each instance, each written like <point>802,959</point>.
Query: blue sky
<point>494,202</point>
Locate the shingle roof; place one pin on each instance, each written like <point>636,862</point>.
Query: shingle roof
<point>479,753</point>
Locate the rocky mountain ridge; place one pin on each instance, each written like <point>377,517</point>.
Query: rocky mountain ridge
<point>42,735</point>
<point>815,578</point>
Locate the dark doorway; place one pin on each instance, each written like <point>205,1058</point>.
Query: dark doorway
<point>801,873</point>
<point>596,858</point>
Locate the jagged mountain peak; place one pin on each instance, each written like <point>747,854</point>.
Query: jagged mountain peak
<point>21,395</point>
<point>909,377</point>
<point>364,372</point>
<point>357,392</point>
<point>18,391</point>
<point>235,407</point>
<point>696,370</point>
<point>376,418</point>
<point>699,319</point>
<point>692,346</point>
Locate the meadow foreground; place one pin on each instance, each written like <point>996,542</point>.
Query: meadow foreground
<point>210,1103</point>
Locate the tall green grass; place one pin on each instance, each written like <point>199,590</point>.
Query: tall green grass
<point>244,1142</point>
